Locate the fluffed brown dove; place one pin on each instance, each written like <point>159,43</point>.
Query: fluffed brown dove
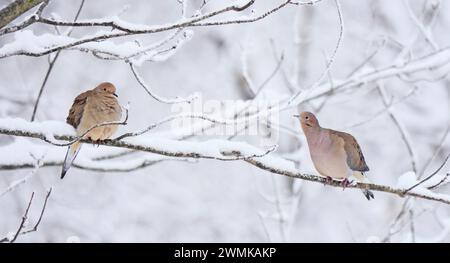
<point>91,108</point>
<point>334,154</point>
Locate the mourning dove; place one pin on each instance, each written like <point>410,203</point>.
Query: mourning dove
<point>335,154</point>
<point>91,108</point>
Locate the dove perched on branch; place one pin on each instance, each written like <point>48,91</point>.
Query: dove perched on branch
<point>91,108</point>
<point>335,154</point>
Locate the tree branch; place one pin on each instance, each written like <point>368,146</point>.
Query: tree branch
<point>15,9</point>
<point>35,228</point>
<point>127,30</point>
<point>50,67</point>
<point>430,176</point>
<point>24,219</point>
<point>227,151</point>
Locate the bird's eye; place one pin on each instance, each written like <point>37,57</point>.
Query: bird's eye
<point>307,117</point>
<point>104,89</point>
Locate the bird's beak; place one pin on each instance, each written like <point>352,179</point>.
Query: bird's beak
<point>296,116</point>
<point>115,95</point>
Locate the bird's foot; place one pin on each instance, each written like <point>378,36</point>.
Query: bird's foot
<point>328,180</point>
<point>345,183</point>
<point>99,141</point>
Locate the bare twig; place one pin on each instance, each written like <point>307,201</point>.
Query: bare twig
<point>436,152</point>
<point>430,176</point>
<point>24,219</point>
<point>441,182</point>
<point>35,228</point>
<point>94,165</point>
<point>141,82</point>
<point>399,126</point>
<point>79,138</point>
<point>124,31</point>
<point>50,67</point>
<point>36,165</point>
<point>411,226</point>
<point>279,210</point>
<point>20,230</point>
<point>292,100</point>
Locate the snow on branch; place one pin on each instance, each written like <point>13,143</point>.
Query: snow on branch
<point>221,150</point>
<point>28,44</point>
<point>17,8</point>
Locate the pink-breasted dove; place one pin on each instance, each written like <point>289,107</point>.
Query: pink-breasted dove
<point>334,154</point>
<point>89,109</point>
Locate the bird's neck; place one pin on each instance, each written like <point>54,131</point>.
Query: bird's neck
<point>314,135</point>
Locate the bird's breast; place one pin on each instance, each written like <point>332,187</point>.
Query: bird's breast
<point>329,159</point>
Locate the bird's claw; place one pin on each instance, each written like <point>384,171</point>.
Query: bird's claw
<point>345,183</point>
<point>99,141</point>
<point>328,180</point>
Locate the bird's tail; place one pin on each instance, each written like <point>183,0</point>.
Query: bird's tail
<point>362,178</point>
<point>72,152</point>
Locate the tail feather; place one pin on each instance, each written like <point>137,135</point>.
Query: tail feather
<point>368,194</point>
<point>362,178</point>
<point>71,154</point>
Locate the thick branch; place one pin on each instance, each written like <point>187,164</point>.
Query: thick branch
<point>125,29</point>
<point>234,151</point>
<point>15,9</point>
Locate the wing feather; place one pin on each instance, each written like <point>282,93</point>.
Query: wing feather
<point>355,157</point>
<point>76,111</point>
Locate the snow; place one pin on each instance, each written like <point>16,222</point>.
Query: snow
<point>408,180</point>
<point>27,41</point>
<point>205,200</point>
<point>50,153</point>
<point>46,127</point>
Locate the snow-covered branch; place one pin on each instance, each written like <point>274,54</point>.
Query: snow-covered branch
<point>17,8</point>
<point>221,150</point>
<point>48,43</point>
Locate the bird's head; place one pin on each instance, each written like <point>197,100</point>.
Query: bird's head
<point>106,87</point>
<point>308,120</point>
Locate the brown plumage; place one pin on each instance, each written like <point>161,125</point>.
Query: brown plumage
<point>89,109</point>
<point>76,111</point>
<point>355,157</point>
<point>334,154</point>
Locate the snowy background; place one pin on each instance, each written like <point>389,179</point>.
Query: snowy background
<point>218,201</point>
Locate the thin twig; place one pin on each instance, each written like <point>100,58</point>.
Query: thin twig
<point>430,176</point>
<point>436,152</point>
<point>441,182</point>
<point>400,127</point>
<point>292,100</point>
<point>192,22</point>
<point>279,210</point>
<point>24,219</point>
<point>80,137</point>
<point>141,82</point>
<point>35,228</point>
<point>50,67</point>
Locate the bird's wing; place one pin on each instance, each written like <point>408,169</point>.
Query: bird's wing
<point>77,109</point>
<point>355,157</point>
